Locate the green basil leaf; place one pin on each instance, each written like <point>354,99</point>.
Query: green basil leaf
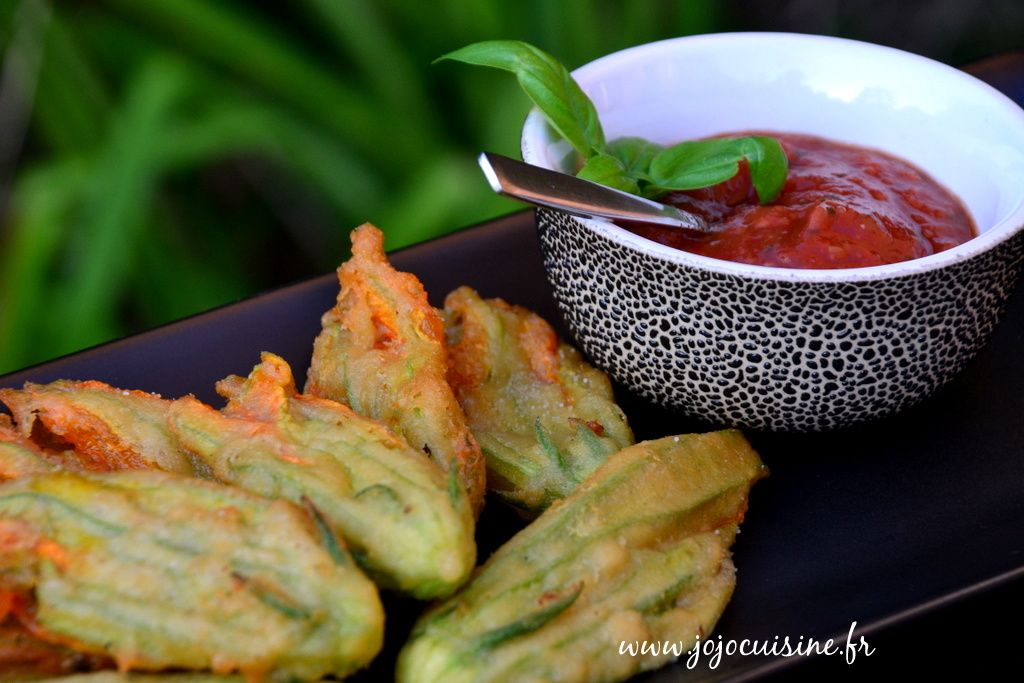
<point>635,154</point>
<point>632,164</point>
<point>695,164</point>
<point>607,170</point>
<point>768,166</point>
<point>547,83</point>
<point>703,163</point>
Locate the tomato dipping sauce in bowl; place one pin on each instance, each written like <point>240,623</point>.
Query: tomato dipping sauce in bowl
<point>862,289</point>
<point>843,206</point>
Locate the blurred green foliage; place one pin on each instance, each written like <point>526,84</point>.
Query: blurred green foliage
<point>180,154</point>
<point>162,157</point>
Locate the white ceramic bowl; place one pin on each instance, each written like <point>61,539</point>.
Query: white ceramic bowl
<point>777,348</point>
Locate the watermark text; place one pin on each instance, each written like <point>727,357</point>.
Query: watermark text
<point>713,649</point>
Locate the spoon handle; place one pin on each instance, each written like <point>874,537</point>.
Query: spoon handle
<point>579,197</point>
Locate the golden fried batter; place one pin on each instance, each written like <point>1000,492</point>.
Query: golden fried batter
<point>382,352</point>
<point>109,429</point>
<point>407,524</point>
<point>544,418</point>
<point>19,456</point>
<point>23,656</point>
<point>639,551</point>
<point>158,571</point>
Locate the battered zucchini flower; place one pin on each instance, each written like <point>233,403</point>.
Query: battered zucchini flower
<point>408,523</point>
<point>19,456</point>
<point>382,352</point>
<point>108,428</point>
<point>640,551</point>
<point>158,571</point>
<point>544,418</point>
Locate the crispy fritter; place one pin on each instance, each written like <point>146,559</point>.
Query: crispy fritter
<point>25,657</point>
<point>408,524</point>
<point>22,654</point>
<point>21,460</point>
<point>544,418</point>
<point>108,429</point>
<point>382,352</point>
<point>158,571</point>
<point>639,551</point>
<point>19,456</point>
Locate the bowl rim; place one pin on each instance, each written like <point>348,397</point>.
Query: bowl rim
<point>535,131</point>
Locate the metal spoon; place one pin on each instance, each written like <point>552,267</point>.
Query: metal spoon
<point>555,190</point>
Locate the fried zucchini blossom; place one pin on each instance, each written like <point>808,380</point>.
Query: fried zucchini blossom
<point>640,551</point>
<point>407,523</point>
<point>544,418</point>
<point>109,429</point>
<point>158,571</point>
<point>382,352</point>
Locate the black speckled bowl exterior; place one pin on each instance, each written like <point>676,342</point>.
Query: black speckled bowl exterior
<point>767,353</point>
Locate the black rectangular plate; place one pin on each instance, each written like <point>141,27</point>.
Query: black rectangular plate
<point>869,524</point>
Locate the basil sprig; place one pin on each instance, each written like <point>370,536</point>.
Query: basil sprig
<point>631,164</point>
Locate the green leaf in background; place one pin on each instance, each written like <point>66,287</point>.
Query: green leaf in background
<point>547,83</point>
<point>610,171</point>
<point>116,198</point>
<point>702,163</point>
<point>181,154</point>
<point>234,38</point>
<point>41,209</point>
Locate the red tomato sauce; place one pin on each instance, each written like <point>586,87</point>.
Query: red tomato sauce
<point>842,206</point>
